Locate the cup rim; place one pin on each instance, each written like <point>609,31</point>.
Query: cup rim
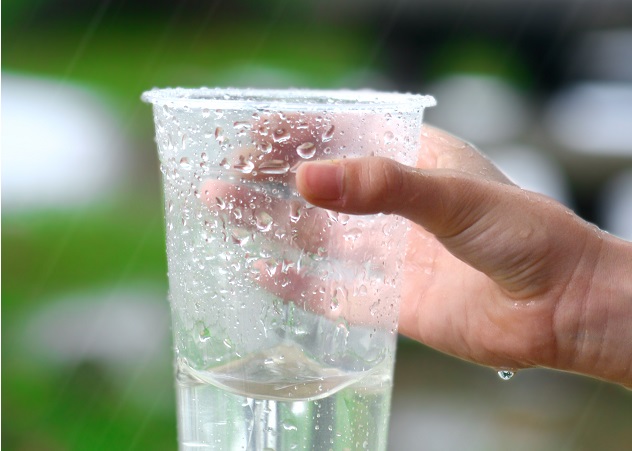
<point>286,99</point>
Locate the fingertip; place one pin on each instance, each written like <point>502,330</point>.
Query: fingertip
<point>321,180</point>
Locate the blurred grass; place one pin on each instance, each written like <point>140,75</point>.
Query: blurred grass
<point>44,254</point>
<point>69,406</point>
<point>51,252</point>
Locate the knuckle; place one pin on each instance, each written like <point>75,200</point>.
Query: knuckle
<point>385,180</point>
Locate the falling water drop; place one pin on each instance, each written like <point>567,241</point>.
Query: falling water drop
<point>506,374</point>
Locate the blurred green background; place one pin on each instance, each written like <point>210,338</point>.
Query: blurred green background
<point>86,356</point>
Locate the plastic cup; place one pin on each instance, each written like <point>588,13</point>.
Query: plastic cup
<point>284,315</point>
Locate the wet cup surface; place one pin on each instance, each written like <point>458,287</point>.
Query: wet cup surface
<point>284,315</point>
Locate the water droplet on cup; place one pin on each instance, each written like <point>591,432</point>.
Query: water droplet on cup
<point>264,221</point>
<point>240,236</point>
<point>306,150</point>
<point>205,335</point>
<point>286,265</point>
<point>271,266</point>
<point>328,134</point>
<point>184,163</point>
<point>295,211</point>
<point>389,137</point>
<point>245,166</point>
<point>265,147</point>
<point>289,426</point>
<point>242,125</point>
<point>353,234</point>
<point>280,135</point>
<point>374,308</point>
<point>219,135</point>
<point>274,167</point>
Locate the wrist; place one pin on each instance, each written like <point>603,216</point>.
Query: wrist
<point>596,339</point>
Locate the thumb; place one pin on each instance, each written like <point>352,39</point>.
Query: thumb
<point>443,201</point>
<point>495,227</point>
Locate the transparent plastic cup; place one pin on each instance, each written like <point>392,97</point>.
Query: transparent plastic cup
<point>284,315</point>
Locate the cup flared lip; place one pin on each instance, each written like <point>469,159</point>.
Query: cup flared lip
<point>286,99</point>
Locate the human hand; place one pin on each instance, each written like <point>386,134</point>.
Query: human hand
<point>494,274</point>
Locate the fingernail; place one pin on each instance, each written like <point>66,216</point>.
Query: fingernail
<point>323,179</point>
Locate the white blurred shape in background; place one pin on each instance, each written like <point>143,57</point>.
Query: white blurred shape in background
<point>495,116</point>
<point>61,145</point>
<point>112,327</point>
<point>593,118</point>
<point>533,170</point>
<point>616,205</point>
<point>482,109</point>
